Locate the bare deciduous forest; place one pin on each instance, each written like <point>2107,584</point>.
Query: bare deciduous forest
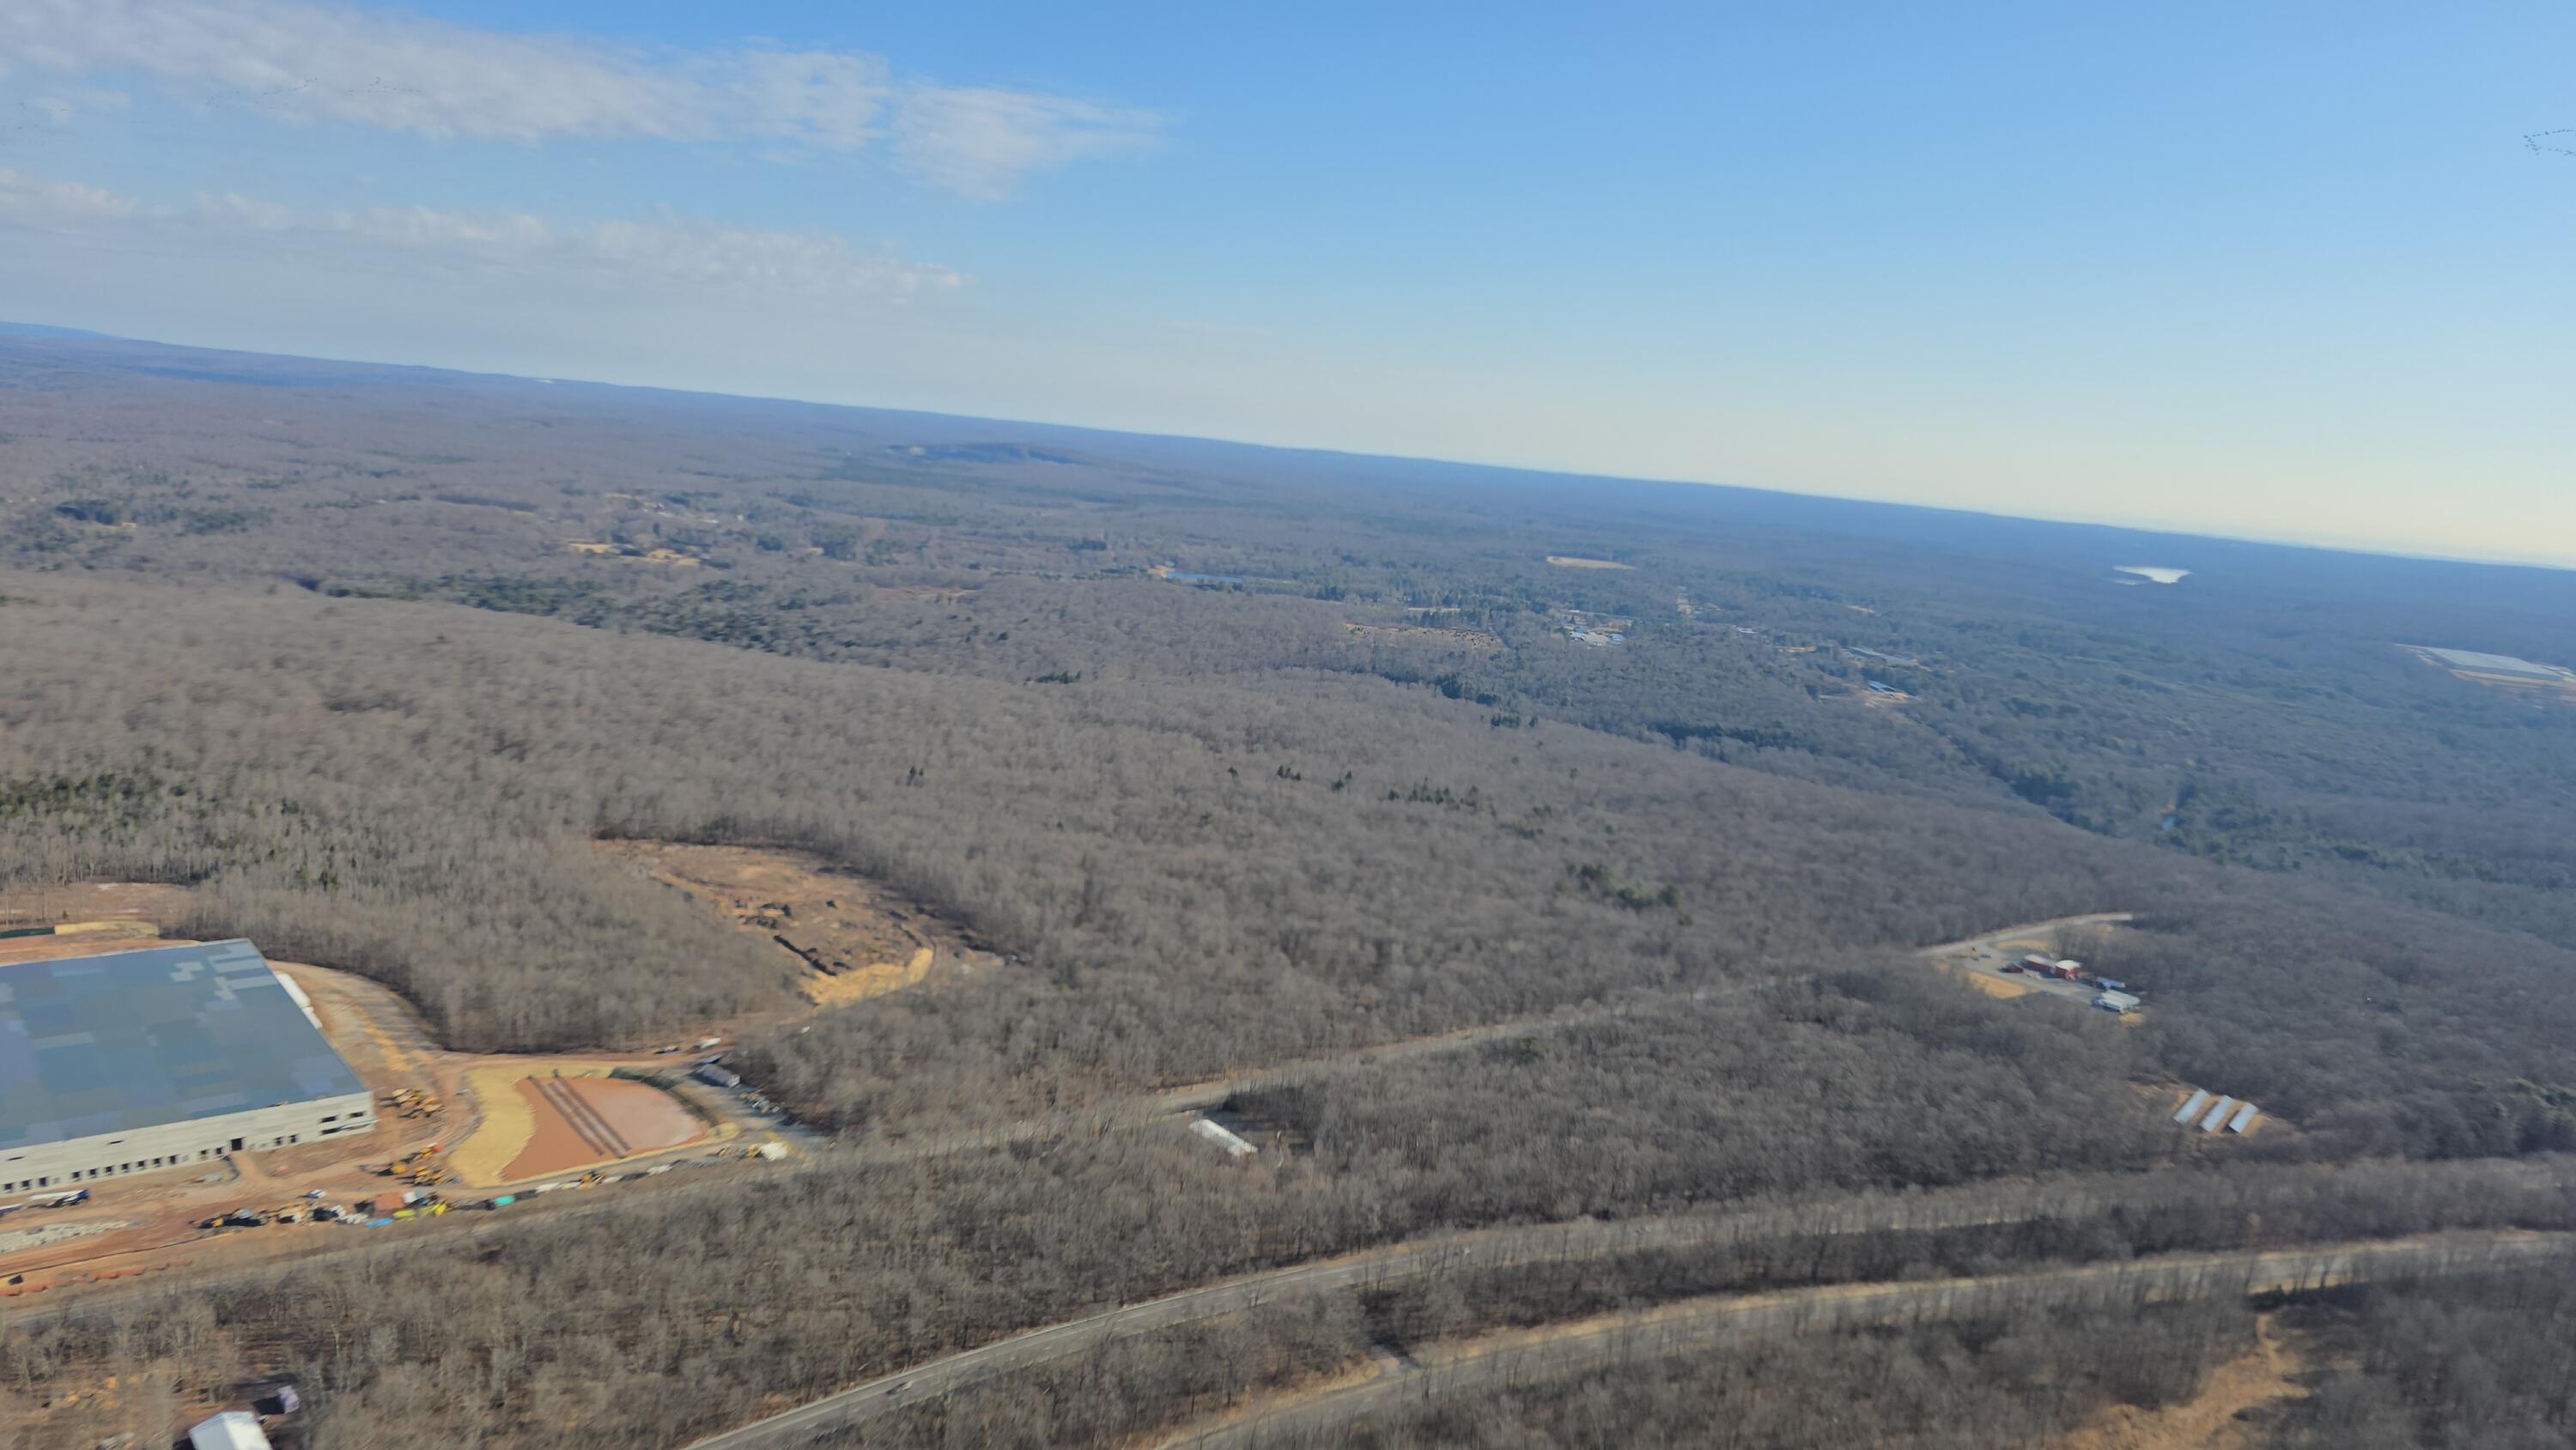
<point>1238,760</point>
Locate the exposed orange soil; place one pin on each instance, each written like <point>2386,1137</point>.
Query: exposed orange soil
<point>582,1122</point>
<point>2213,1419</point>
<point>855,938</point>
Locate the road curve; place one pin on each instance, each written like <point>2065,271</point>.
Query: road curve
<point>1969,1207</point>
<point>1560,1350</point>
<point>1119,1112</point>
<point>1585,1239</point>
<point>1199,1096</point>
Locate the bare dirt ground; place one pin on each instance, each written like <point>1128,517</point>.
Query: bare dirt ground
<point>1570,561</point>
<point>91,901</point>
<point>525,1111</point>
<point>855,938</point>
<point>2224,1415</point>
<point>155,1215</point>
<point>588,1122</point>
<point>2004,988</point>
<point>148,1223</point>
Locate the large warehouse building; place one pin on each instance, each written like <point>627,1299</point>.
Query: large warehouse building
<point>131,1061</point>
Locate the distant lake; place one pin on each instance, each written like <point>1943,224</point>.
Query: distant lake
<point>2156,572</point>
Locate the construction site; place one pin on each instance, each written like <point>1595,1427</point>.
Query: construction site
<point>850,938</point>
<point>429,1131</point>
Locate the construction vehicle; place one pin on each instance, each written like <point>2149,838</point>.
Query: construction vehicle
<point>411,1162</point>
<point>411,1102</point>
<point>589,1180</point>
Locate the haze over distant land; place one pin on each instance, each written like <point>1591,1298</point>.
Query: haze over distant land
<point>2171,267</point>
<point>210,362</point>
<point>1628,877</point>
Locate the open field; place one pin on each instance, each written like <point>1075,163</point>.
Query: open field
<point>1425,634</point>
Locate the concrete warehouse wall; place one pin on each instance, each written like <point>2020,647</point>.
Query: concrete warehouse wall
<point>87,1160</point>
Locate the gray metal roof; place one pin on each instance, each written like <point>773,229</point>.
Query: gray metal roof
<point>125,1040</point>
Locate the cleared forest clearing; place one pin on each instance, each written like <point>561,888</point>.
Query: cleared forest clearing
<point>853,937</point>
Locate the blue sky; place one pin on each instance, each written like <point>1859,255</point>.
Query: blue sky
<point>2287,270</point>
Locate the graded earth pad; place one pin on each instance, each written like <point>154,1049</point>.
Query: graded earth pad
<point>582,1122</point>
<point>541,1120</point>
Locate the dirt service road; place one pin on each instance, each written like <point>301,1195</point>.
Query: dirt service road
<point>1488,1249</point>
<point>1214,1092</point>
<point>1557,1351</point>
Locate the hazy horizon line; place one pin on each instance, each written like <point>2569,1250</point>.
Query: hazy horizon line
<point>2325,543</point>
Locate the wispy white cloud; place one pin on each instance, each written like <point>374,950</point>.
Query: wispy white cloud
<point>980,141</point>
<point>313,61</point>
<point>36,201</point>
<point>668,251</point>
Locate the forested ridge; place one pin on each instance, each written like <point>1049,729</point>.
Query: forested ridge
<point>372,660</point>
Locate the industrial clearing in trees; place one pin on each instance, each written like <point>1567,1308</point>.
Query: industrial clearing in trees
<point>543,914</point>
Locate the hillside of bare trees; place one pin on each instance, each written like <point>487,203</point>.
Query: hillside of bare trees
<point>1236,761</point>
